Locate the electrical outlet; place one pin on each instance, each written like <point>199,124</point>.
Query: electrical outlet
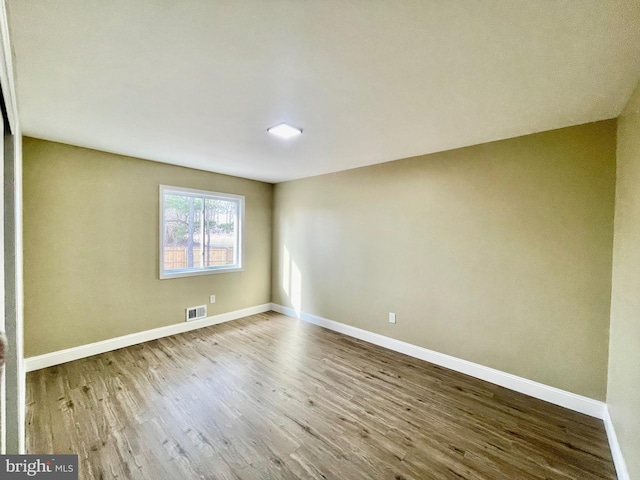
<point>392,317</point>
<point>212,299</point>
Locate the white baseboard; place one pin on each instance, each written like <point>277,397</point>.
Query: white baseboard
<point>616,452</point>
<point>83,351</point>
<point>547,393</point>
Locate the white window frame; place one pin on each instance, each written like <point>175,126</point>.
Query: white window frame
<point>191,272</point>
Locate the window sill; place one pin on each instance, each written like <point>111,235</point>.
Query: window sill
<point>195,273</point>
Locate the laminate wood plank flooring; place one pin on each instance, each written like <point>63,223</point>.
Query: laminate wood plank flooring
<point>271,397</point>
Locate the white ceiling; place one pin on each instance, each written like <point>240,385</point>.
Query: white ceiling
<point>197,82</point>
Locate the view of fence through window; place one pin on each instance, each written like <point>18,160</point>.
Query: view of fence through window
<point>200,231</point>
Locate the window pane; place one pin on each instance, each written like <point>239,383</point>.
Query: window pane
<point>182,225</point>
<point>200,232</point>
<point>220,232</point>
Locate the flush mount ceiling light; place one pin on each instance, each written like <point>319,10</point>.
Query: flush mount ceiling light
<point>284,131</point>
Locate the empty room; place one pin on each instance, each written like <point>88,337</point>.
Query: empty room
<point>321,239</point>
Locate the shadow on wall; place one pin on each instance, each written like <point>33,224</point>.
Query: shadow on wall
<point>292,281</point>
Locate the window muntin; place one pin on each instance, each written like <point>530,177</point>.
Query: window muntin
<point>200,232</point>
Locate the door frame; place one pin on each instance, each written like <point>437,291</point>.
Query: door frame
<point>13,436</point>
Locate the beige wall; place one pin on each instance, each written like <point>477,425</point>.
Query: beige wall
<point>498,253</point>
<point>91,247</point>
<point>623,394</point>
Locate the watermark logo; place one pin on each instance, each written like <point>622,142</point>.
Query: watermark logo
<point>51,467</point>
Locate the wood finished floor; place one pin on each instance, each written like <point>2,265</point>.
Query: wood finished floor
<point>270,397</point>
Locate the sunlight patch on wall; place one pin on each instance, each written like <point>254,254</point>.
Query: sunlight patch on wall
<point>296,288</point>
<point>292,281</point>
<point>286,271</point>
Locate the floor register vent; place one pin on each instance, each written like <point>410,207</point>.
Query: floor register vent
<point>196,313</point>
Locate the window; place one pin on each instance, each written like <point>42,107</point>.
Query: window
<point>200,232</point>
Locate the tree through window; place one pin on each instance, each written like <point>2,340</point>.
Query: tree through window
<point>200,232</point>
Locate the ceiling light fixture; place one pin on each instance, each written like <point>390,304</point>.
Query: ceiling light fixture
<point>284,131</point>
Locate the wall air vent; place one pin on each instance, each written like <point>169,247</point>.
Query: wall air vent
<point>196,313</point>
